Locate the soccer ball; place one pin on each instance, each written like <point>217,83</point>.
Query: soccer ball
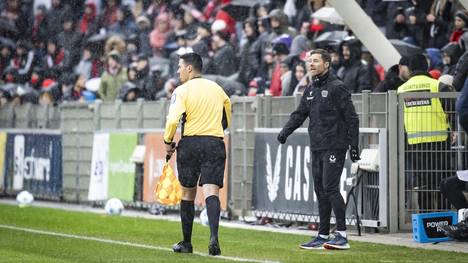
<point>114,206</point>
<point>204,217</point>
<point>24,198</point>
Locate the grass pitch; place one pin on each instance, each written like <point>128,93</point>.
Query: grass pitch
<point>158,236</point>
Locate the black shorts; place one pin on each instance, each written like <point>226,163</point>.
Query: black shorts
<point>201,157</point>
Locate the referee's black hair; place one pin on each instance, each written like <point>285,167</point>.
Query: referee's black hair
<point>193,59</point>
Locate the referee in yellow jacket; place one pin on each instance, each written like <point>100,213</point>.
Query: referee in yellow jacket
<point>204,111</point>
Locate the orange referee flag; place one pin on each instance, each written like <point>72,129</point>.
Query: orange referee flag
<point>168,190</point>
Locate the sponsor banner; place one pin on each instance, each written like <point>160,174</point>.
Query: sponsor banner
<point>283,181</point>
<point>121,171</point>
<point>99,168</point>
<point>155,158</point>
<point>3,138</point>
<point>34,163</point>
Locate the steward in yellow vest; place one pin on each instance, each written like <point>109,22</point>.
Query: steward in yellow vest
<point>425,119</point>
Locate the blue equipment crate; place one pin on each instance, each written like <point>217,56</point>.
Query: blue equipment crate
<point>427,227</point>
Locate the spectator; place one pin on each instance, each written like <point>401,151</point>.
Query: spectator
<point>39,30</point>
<point>113,78</point>
<point>9,95</point>
<point>142,77</point>
<point>66,86</point>
<point>70,41</point>
<point>56,60</point>
<point>247,70</point>
<point>109,15</point>
<point>439,20</point>
<point>224,59</point>
<point>301,43</point>
<point>5,57</point>
<point>37,76</point>
<point>130,90</point>
<point>88,24</point>
<point>160,33</point>
<point>279,23</point>
<point>144,30</point>
<point>416,21</point>
<point>398,29</point>
<point>461,69</point>
<point>124,24</point>
<point>85,66</point>
<point>48,93</point>
<point>23,61</point>
<point>55,18</point>
<point>14,13</point>
<point>353,72</point>
<point>280,51</point>
<point>391,81</point>
<point>155,83</point>
<point>460,25</point>
<point>450,55</point>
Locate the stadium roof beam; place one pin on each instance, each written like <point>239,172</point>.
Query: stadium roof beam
<point>367,32</point>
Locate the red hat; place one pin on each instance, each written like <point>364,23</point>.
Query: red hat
<point>47,84</point>
<point>435,73</point>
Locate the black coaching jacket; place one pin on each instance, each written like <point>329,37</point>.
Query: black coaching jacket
<point>333,122</point>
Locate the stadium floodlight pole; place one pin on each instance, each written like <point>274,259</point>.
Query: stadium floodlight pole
<point>367,32</point>
<point>464,3</point>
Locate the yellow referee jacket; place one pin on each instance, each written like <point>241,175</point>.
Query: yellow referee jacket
<point>203,106</point>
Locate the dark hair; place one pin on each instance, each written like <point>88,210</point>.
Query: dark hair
<point>323,53</point>
<point>194,60</point>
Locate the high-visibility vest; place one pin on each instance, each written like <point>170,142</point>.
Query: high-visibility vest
<point>425,119</point>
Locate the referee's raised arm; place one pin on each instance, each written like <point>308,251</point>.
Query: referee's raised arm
<point>204,111</point>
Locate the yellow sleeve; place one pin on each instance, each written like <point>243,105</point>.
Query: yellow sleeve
<point>176,110</point>
<point>227,109</point>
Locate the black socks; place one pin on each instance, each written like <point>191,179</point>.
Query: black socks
<point>213,210</point>
<point>187,213</point>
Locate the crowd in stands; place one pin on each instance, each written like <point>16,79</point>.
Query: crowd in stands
<point>52,51</point>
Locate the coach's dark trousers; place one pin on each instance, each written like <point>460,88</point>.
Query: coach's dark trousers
<point>327,167</point>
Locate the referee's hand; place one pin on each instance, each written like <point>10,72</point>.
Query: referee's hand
<point>170,148</point>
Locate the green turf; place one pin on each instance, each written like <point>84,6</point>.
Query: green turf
<point>18,246</point>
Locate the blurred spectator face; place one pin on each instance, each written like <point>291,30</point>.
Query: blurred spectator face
<point>20,51</point>
<point>177,23</point>
<point>403,72</point>
<point>335,58</point>
<point>55,3</point>
<point>274,23</point>
<point>346,52</point>
<point>446,59</point>
<point>120,15</point>
<point>112,63</point>
<point>131,96</point>
<point>67,25</point>
<point>300,72</point>
<point>203,32</point>
<point>260,27</point>
<point>141,64</point>
<point>132,73</point>
<point>51,48</point>
<point>86,54</point>
<point>400,19</point>
<point>248,30</point>
<point>268,58</point>
<point>262,11</point>
<point>305,28</point>
<point>5,52</point>
<point>188,18</point>
<point>88,10</point>
<point>111,3</point>
<point>459,23</point>
<point>215,42</point>
<point>46,99</point>
<point>317,65</point>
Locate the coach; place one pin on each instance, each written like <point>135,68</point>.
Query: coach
<point>204,110</point>
<point>333,128</point>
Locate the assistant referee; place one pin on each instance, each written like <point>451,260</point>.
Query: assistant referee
<point>204,110</point>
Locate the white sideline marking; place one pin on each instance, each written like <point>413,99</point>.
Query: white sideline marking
<point>125,243</point>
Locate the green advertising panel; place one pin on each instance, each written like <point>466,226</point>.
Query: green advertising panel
<point>121,170</point>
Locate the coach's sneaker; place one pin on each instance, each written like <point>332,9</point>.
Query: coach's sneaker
<point>316,243</point>
<point>339,242</point>
<point>213,248</point>
<point>183,247</point>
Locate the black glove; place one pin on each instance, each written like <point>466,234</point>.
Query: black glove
<point>281,137</point>
<point>354,154</point>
